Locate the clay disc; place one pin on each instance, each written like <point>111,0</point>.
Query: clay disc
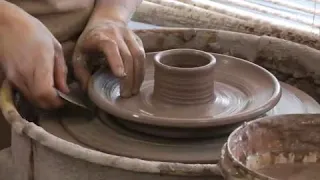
<point>111,137</point>
<point>292,101</point>
<point>243,91</point>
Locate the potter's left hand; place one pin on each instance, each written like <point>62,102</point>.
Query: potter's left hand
<point>123,50</point>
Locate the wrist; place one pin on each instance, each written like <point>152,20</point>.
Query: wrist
<point>115,14</point>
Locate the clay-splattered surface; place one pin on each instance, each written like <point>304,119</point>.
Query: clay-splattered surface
<point>193,14</point>
<point>274,142</point>
<point>306,171</point>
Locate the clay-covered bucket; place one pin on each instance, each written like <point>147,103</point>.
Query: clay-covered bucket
<point>278,147</point>
<point>37,154</point>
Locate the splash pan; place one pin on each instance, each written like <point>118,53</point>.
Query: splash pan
<point>111,135</point>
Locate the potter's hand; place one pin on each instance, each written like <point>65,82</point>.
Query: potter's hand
<point>31,58</point>
<point>123,50</point>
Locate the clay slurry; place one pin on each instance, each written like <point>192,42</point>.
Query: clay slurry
<point>297,171</point>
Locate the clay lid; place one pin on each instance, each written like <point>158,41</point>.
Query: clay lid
<point>217,90</point>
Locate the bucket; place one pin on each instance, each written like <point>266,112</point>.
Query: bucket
<point>274,148</point>
<point>36,154</point>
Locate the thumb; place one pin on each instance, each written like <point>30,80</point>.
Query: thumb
<point>80,68</point>
<point>60,70</point>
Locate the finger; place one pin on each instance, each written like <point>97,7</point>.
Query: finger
<point>60,70</point>
<point>110,49</point>
<point>138,54</point>
<point>17,81</point>
<point>41,84</point>
<point>126,83</point>
<point>80,69</point>
<point>137,38</point>
<point>21,83</point>
<point>48,98</point>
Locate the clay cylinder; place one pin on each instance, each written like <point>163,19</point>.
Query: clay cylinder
<point>184,76</point>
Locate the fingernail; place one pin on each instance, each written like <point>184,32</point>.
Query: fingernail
<point>122,72</point>
<point>135,91</point>
<point>125,94</point>
<point>67,90</point>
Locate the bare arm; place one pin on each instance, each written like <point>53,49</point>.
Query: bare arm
<point>118,10</point>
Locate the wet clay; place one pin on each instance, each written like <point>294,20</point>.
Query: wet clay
<point>297,171</point>
<point>184,77</point>
<point>292,101</point>
<point>111,135</point>
<point>236,91</point>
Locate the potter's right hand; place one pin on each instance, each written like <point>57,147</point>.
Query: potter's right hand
<point>32,58</point>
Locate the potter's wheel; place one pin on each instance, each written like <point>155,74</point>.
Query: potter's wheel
<point>242,91</point>
<point>111,137</point>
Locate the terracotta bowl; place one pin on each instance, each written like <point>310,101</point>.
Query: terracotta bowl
<point>278,147</point>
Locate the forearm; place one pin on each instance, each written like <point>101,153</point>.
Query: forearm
<point>119,10</point>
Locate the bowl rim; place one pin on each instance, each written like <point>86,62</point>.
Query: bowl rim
<point>235,160</point>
